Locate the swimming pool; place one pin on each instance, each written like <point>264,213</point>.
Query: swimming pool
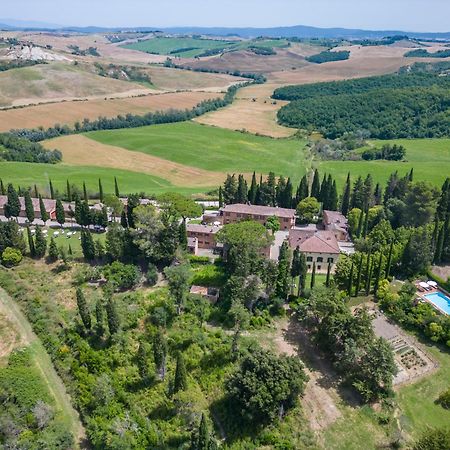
<point>440,300</point>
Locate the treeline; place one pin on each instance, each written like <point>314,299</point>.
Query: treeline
<point>90,51</point>
<point>424,53</point>
<point>15,148</point>
<point>129,120</point>
<point>420,77</point>
<point>328,56</point>
<point>18,63</point>
<point>387,152</point>
<point>416,112</point>
<point>389,40</point>
<point>119,72</point>
<point>263,51</point>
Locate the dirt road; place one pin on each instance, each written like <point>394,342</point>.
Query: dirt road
<point>10,310</point>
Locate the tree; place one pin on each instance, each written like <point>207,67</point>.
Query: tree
<point>99,317</point>
<point>241,317</point>
<point>230,189</point>
<point>420,204</point>
<point>2,187</point>
<point>302,190</point>
<point>313,276</point>
<point>142,360</point>
<point>116,188</point>
<point>328,279</point>
<point>358,193</point>
<point>315,187</point>
<point>44,214</point>
<point>12,206</point>
<point>183,240</point>
<point>253,190</point>
<point>59,211</point>
<point>160,353</point>
<point>265,386</point>
<point>52,250</point>
<point>40,243</point>
<point>273,224</point>
<point>87,245</point>
<point>68,191</point>
<point>417,255</point>
<point>220,197</point>
<point>180,380</point>
<point>201,439</point>
<point>113,202</point>
<point>242,190</point>
<point>359,275</point>
<point>284,266</point>
<point>296,266</point>
<point>52,192</point>
<point>29,208</point>
<point>350,281</point>
<point>389,260</point>
<point>345,202</point>
<point>31,242</point>
<point>378,274</point>
<point>112,316</point>
<point>369,273</point>
<point>85,194</point>
<point>100,190</point>
<point>333,197</point>
<point>83,309</point>
<point>178,278</point>
<point>308,209</point>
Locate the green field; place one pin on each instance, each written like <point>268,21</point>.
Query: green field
<point>189,47</point>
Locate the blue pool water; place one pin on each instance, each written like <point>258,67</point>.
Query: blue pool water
<point>440,300</point>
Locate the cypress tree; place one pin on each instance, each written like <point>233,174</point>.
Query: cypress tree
<point>204,438</point>
<point>435,234</point>
<point>220,197</point>
<point>77,212</point>
<point>68,191</point>
<point>180,381</point>
<point>296,264</point>
<point>377,194</point>
<point>443,207</point>
<point>358,194</point>
<point>323,193</point>
<point>12,206</point>
<point>284,262</point>
<point>303,274</point>
<point>2,187</point>
<point>333,197</point>
<point>345,203</point>
<point>439,246</point>
<point>360,224</point>
<point>313,276</point>
<point>369,277</point>
<point>315,187</point>
<point>142,360</point>
<point>52,192</point>
<point>29,208</point>
<point>116,188</point>
<point>302,191</point>
<point>389,260</point>
<point>368,192</point>
<point>83,309</point>
<point>378,274</point>
<point>100,317</point>
<point>60,214</point>
<point>44,214</point>
<point>36,193</point>
<point>112,316</point>
<point>358,278</point>
<point>31,243</point>
<point>253,190</point>
<point>87,245</point>
<point>53,250</point>
<point>350,281</point>
<point>100,190</point>
<point>241,194</point>
<point>182,235</point>
<point>159,353</point>
<point>327,281</point>
<point>288,194</point>
<point>70,250</point>
<point>366,224</point>
<point>271,185</point>
<point>40,243</point>
<point>411,174</point>
<point>123,219</point>
<point>85,195</point>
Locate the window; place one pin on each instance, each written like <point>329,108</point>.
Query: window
<point>309,258</point>
<point>330,260</point>
<point>319,267</point>
<point>309,267</point>
<point>319,259</point>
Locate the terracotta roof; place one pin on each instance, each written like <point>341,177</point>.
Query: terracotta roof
<point>197,228</point>
<point>259,210</point>
<point>320,242</point>
<point>334,218</point>
<point>50,204</point>
<point>299,235</point>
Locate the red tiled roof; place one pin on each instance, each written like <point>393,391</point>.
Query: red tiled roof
<point>321,242</point>
<point>334,218</point>
<point>259,210</point>
<point>197,228</point>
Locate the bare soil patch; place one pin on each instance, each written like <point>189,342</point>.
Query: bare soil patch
<point>69,112</point>
<point>9,336</point>
<point>441,271</point>
<point>82,151</point>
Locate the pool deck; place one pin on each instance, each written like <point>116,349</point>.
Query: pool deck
<point>422,293</point>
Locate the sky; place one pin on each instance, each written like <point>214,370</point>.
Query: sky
<point>405,15</point>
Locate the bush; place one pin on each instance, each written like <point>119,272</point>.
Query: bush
<point>444,399</point>
<point>152,275</point>
<point>123,276</point>
<point>11,257</point>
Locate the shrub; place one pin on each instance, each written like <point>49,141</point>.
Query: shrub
<point>123,276</point>
<point>444,399</point>
<point>11,257</point>
<point>152,275</point>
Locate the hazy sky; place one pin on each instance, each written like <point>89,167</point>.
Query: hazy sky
<point>408,15</point>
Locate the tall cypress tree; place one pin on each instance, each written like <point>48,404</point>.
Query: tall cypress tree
<point>180,381</point>
<point>327,281</point>
<point>160,353</point>
<point>315,187</point>
<point>350,281</point>
<point>2,187</point>
<point>378,274</point>
<point>296,263</point>
<point>59,211</point>
<point>366,224</point>
<point>68,191</point>
<point>85,194</point>
<point>31,243</point>
<point>389,260</point>
<point>29,208</point>
<point>284,263</point>
<point>142,360</point>
<point>112,316</point>
<point>44,214</point>
<point>241,194</point>
<point>220,197</point>
<point>203,440</point>
<point>87,245</point>
<point>12,206</point>
<point>100,190</point>
<point>52,192</point>
<point>302,191</point>
<point>358,278</point>
<point>287,194</point>
<point>369,277</point>
<point>323,193</point>
<point>123,219</point>
<point>100,317</point>
<point>358,194</point>
<point>313,276</point>
<point>83,309</point>
<point>333,197</point>
<point>253,190</point>
<point>116,188</point>
<point>36,193</point>
<point>439,246</point>
<point>53,253</point>
<point>182,235</point>
<point>378,194</point>
<point>40,244</point>
<point>345,203</point>
<point>360,224</point>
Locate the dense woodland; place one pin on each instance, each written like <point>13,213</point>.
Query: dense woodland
<point>424,53</point>
<point>328,56</point>
<point>14,148</point>
<point>17,64</point>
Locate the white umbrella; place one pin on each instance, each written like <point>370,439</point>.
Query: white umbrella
<point>432,283</point>
<point>423,284</point>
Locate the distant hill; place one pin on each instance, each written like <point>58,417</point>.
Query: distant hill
<point>300,31</point>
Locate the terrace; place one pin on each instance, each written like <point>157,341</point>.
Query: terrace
<point>430,292</point>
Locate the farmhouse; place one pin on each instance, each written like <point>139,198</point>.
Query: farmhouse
<point>238,212</point>
<point>50,207</point>
<point>337,223</point>
<point>204,234</point>
<point>320,247</point>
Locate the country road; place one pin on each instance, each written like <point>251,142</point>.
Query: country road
<point>10,309</point>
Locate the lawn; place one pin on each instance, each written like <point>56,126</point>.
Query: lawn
<point>211,148</point>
